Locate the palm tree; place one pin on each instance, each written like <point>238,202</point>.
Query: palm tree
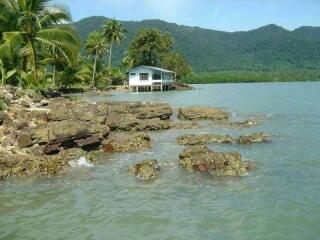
<point>36,28</point>
<point>96,47</point>
<point>114,33</point>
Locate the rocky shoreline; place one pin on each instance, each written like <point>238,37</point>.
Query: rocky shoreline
<point>40,135</point>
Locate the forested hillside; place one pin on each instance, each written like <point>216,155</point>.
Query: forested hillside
<point>269,48</point>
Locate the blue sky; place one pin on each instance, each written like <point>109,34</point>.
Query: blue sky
<point>226,15</point>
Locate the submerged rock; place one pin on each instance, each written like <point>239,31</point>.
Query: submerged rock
<point>203,139</point>
<point>120,142</point>
<point>185,125</point>
<point>244,124</point>
<point>146,170</point>
<point>182,86</point>
<point>254,138</point>
<point>201,159</point>
<point>203,113</point>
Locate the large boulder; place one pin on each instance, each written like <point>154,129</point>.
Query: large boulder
<point>203,139</point>
<point>152,125</point>
<point>141,110</point>
<point>201,159</point>
<point>55,136</point>
<point>122,122</point>
<point>254,138</point>
<point>120,142</point>
<point>149,111</point>
<point>129,122</point>
<point>146,170</point>
<point>203,113</point>
<point>24,165</point>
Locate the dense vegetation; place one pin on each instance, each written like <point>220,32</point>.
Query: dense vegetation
<point>151,47</point>
<point>254,76</point>
<point>39,50</point>
<point>270,48</point>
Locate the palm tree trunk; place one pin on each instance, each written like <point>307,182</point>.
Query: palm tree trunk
<point>34,59</point>
<point>24,63</point>
<point>54,69</point>
<point>110,53</point>
<point>94,71</point>
<point>2,76</point>
<point>53,84</point>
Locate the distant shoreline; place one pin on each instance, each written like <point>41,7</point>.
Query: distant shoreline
<point>253,77</point>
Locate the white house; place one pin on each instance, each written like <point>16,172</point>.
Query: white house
<point>145,78</point>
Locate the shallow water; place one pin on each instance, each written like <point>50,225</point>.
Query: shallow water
<point>280,200</point>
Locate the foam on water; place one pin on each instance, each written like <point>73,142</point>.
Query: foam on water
<point>81,162</point>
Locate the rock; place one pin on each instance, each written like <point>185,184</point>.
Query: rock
<point>181,86</point>
<point>250,165</point>
<point>129,122</point>
<point>149,111</point>
<point>60,109</point>
<point>254,138</point>
<point>24,139</point>
<point>245,124</point>
<point>203,113</point>
<point>185,125</point>
<point>152,125</point>
<point>201,159</point>
<point>73,134</point>
<point>122,122</point>
<point>120,142</point>
<point>25,165</point>
<point>141,110</point>
<point>50,93</point>
<point>146,170</point>
<point>203,139</point>
<point>3,105</point>
<point>1,117</point>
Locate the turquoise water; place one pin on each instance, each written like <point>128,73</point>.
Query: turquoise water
<point>280,200</point>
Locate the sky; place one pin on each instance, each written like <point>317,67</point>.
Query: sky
<point>225,15</point>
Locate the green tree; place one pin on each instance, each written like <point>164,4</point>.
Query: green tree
<point>34,27</point>
<point>149,46</point>
<point>176,62</point>
<point>114,33</point>
<point>96,46</point>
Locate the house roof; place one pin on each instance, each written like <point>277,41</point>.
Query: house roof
<point>154,68</point>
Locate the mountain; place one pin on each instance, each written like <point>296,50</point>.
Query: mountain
<point>269,48</point>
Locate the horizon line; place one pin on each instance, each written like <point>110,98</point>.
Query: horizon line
<point>204,28</point>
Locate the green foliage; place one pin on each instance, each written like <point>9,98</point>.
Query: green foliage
<point>96,47</point>
<point>114,33</point>
<point>253,76</point>
<point>96,44</point>
<point>33,32</point>
<point>149,46</point>
<point>177,63</point>
<point>270,48</point>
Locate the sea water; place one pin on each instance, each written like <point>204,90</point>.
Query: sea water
<point>279,200</point>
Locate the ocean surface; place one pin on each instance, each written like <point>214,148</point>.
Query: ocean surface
<point>279,200</point>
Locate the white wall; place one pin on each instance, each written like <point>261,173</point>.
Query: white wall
<point>135,80</point>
